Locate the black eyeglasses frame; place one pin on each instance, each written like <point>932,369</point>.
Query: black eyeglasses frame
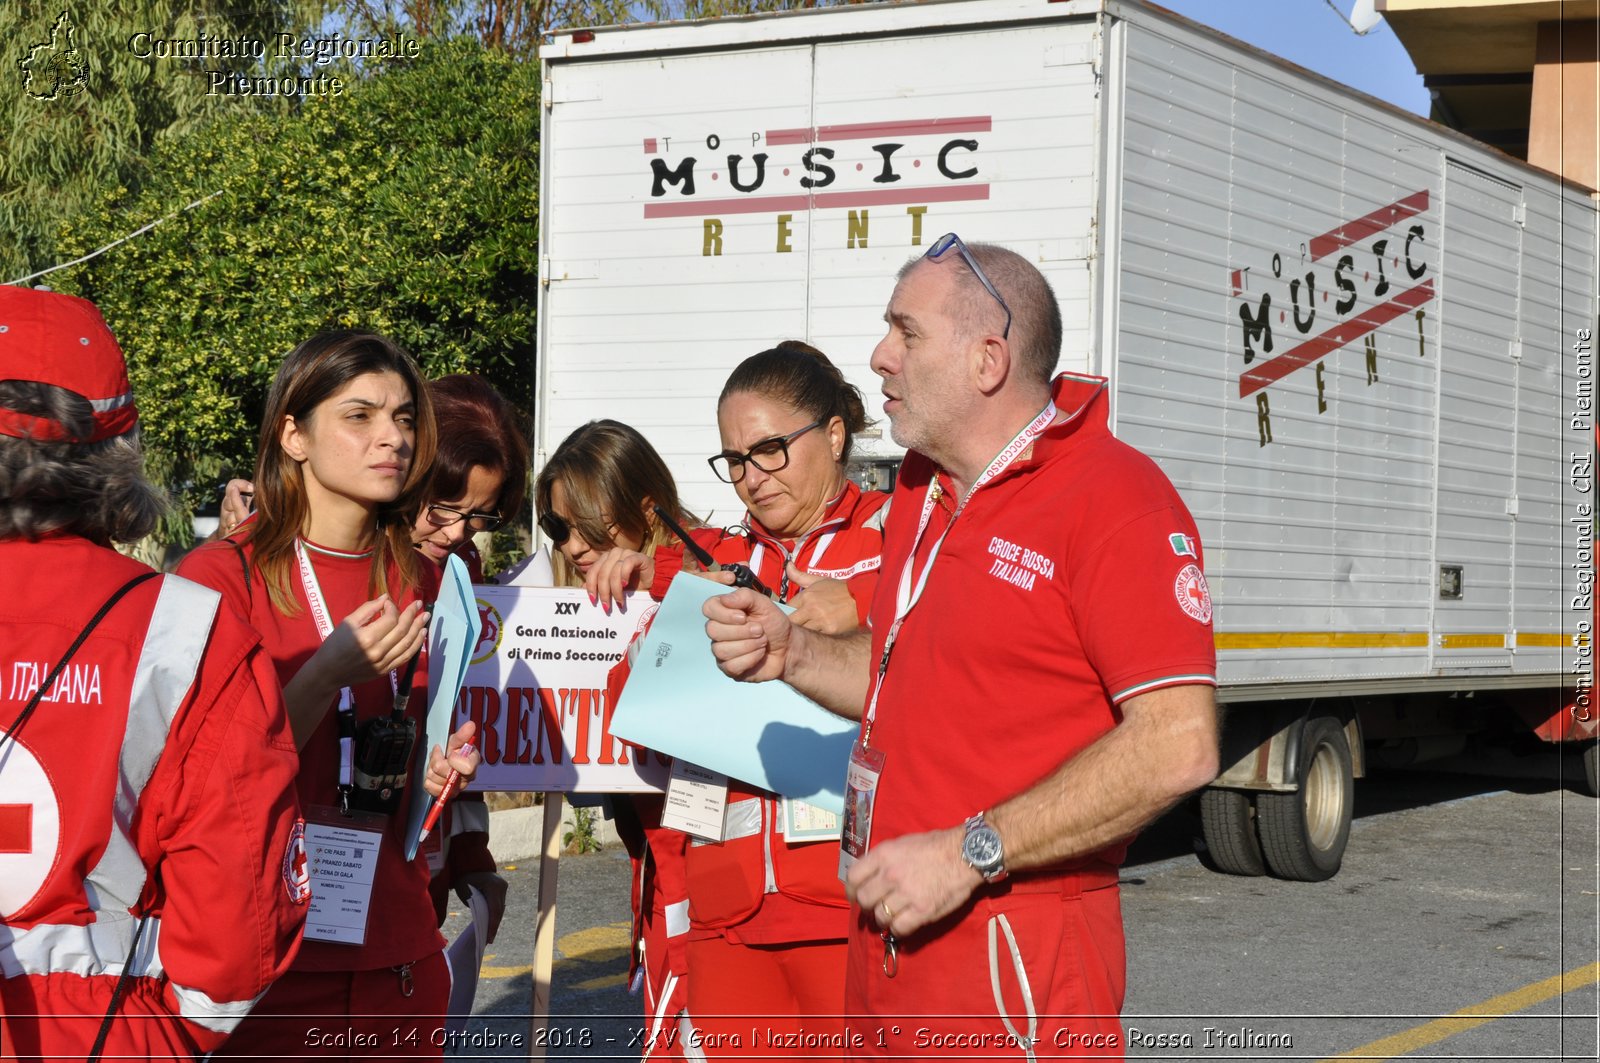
<point>728,458</point>
<point>477,521</point>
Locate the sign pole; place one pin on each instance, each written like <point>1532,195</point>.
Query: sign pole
<point>544,936</point>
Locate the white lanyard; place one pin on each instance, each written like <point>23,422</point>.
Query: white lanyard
<point>758,555</point>
<point>911,586</point>
<point>347,697</point>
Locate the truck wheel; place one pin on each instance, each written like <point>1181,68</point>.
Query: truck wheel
<point>1228,823</point>
<point>1591,767</point>
<point>1303,834</point>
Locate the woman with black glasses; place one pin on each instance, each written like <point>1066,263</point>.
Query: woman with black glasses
<point>480,480</point>
<point>768,915</point>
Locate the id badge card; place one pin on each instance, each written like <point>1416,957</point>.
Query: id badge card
<point>343,854</point>
<point>696,801</point>
<point>860,791</point>
<point>804,822</point>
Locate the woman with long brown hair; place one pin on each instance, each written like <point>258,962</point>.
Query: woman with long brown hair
<point>346,444</point>
<point>597,495</point>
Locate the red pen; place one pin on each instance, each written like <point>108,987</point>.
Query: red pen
<point>450,784</point>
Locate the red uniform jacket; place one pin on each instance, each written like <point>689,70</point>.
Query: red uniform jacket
<point>155,780</point>
<point>755,887</point>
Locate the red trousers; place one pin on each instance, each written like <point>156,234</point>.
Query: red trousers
<point>764,1001</point>
<point>349,1015</point>
<point>665,993</point>
<point>941,1000</point>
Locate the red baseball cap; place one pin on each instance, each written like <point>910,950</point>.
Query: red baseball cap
<point>51,338</point>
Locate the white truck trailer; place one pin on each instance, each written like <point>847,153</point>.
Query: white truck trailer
<point>1359,343</point>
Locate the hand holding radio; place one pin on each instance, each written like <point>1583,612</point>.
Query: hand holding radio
<point>741,574</point>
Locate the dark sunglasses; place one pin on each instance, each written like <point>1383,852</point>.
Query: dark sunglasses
<point>769,455</point>
<point>555,528</point>
<point>443,516</point>
<point>942,246</point>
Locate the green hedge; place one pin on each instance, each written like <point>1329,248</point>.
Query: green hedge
<point>407,205</point>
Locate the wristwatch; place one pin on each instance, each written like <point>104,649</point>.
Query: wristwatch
<point>982,851</point>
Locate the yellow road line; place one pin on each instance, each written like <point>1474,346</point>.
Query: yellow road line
<point>601,983</point>
<point>505,972</point>
<point>1477,1015</point>
<point>596,945</point>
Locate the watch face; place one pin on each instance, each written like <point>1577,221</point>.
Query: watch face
<point>982,847</point>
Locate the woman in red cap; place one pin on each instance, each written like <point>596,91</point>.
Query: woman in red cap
<point>146,770</point>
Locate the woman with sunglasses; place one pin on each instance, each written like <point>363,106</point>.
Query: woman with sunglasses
<point>596,496</point>
<point>327,575</point>
<point>768,918</point>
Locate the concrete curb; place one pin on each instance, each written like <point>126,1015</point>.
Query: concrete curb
<point>515,833</point>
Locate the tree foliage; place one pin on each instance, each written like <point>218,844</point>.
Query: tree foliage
<point>81,110</point>
<point>407,206</point>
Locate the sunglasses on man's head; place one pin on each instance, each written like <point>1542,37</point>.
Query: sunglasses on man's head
<point>942,247</point>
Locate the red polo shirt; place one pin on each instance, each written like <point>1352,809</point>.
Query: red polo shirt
<point>1070,582</point>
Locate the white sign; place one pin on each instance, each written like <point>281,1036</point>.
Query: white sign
<point>536,687</point>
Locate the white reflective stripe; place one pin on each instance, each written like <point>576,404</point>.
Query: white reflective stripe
<point>770,875</point>
<point>468,816</point>
<point>174,643</point>
<point>1017,1037</point>
<point>689,1040</point>
<point>816,555</point>
<point>742,819</point>
<point>878,519</point>
<point>677,919</point>
<point>97,949</point>
<point>217,1016</point>
<point>107,405</point>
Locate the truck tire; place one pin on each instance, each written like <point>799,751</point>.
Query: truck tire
<point>1591,768</point>
<point>1303,834</point>
<point>1228,823</point>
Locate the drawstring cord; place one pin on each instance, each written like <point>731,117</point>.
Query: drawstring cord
<point>1022,980</point>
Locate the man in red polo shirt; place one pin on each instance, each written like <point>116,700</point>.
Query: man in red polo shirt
<point>1036,687</point>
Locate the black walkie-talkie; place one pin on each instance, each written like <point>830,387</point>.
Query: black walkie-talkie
<point>742,576</point>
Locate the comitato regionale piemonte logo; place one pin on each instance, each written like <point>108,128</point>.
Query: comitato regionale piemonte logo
<point>54,69</point>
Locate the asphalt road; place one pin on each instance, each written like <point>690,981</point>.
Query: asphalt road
<point>1461,903</point>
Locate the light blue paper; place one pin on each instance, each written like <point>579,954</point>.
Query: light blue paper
<point>452,632</point>
<point>678,702</point>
